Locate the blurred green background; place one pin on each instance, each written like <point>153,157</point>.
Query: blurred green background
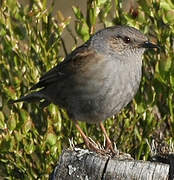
<point>35,35</point>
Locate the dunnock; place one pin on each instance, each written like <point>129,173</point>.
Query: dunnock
<point>97,79</point>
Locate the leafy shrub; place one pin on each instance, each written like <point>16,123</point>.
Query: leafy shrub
<point>31,139</point>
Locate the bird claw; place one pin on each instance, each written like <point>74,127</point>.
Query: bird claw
<point>96,147</point>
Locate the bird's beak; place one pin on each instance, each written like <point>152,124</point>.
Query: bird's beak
<point>148,44</point>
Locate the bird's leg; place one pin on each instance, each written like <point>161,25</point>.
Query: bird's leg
<point>85,138</point>
<point>108,141</point>
<point>90,145</point>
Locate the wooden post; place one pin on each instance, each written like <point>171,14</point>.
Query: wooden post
<point>80,164</point>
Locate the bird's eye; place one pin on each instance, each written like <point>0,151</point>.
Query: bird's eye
<point>126,40</point>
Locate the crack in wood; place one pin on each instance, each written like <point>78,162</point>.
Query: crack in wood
<point>104,169</point>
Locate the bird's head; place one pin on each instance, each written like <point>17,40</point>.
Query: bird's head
<point>123,40</point>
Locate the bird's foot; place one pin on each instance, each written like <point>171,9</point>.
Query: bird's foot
<point>96,147</point>
<point>110,149</point>
<point>93,146</point>
<point>115,153</point>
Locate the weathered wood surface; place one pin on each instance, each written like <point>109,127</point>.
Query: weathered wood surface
<point>79,164</point>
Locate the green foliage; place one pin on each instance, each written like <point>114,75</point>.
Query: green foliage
<point>32,139</point>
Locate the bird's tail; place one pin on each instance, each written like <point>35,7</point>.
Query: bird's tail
<point>32,97</point>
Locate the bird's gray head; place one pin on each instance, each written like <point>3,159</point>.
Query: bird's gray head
<point>123,40</point>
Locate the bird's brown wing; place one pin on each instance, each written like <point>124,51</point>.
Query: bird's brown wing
<point>78,61</point>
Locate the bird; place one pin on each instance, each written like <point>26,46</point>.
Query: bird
<point>97,79</point>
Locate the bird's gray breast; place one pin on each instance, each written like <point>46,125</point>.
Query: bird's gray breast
<point>122,79</point>
<point>125,84</point>
<point>110,86</point>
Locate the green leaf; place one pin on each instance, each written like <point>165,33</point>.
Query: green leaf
<point>51,139</point>
<point>12,121</point>
<point>2,118</point>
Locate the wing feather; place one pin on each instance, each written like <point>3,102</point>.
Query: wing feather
<point>72,64</point>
